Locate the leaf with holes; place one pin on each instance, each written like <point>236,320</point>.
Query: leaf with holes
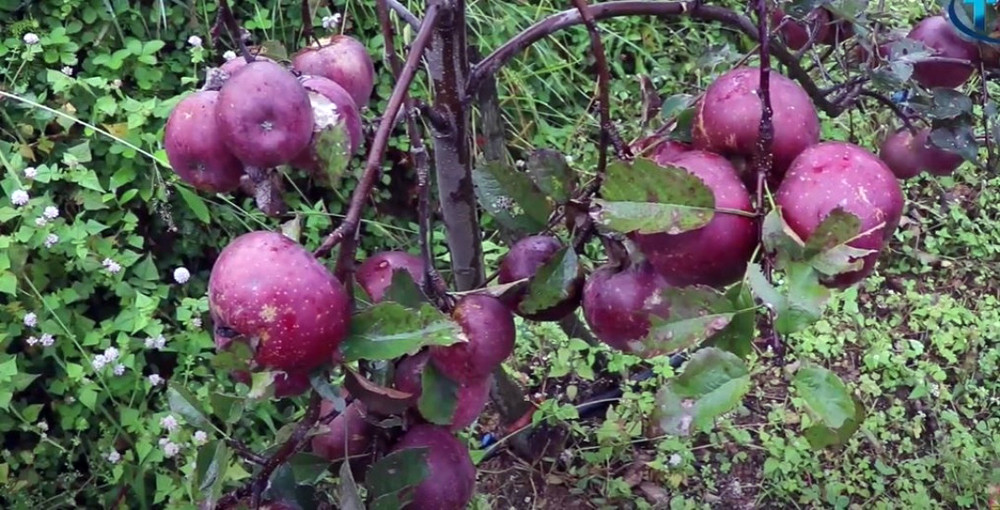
<point>438,396</point>
<point>389,330</point>
<point>377,399</point>
<point>511,198</point>
<point>553,282</point>
<point>713,382</point>
<point>696,314</point>
<point>551,173</point>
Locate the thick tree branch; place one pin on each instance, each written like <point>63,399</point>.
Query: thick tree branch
<point>377,152</point>
<point>492,63</point>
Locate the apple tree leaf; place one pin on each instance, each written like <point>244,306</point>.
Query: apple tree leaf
<point>511,198</point>
<point>182,402</point>
<point>438,396</point>
<point>737,337</point>
<point>389,330</point>
<point>696,313</point>
<point>551,173</point>
<point>553,282</point>
<point>378,399</point>
<point>712,383</point>
<point>821,436</point>
<point>959,139</point>
<point>390,478</point>
<point>332,153</point>
<point>350,496</point>
<point>403,290</point>
<point>211,465</point>
<point>826,397</point>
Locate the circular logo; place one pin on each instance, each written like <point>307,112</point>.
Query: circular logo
<point>976,19</point>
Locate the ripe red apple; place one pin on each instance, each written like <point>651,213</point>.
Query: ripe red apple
<point>375,273</point>
<point>264,115</point>
<point>936,33</point>
<point>488,330</point>
<point>349,435</point>
<point>231,66</point>
<point>839,174</point>
<point>660,149</point>
<point>907,155</point>
<point>716,254</point>
<point>796,32</point>
<point>472,396</point>
<point>523,260</point>
<point>344,60</point>
<point>332,106</point>
<point>617,303</point>
<point>727,120</point>
<point>452,475</point>
<point>270,289</point>
<point>194,145</point>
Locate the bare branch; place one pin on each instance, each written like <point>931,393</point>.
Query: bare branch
<point>404,13</point>
<point>233,28</point>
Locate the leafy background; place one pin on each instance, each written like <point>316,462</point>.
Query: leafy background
<point>918,340</point>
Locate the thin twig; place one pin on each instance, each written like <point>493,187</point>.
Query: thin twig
<point>246,453</point>
<point>234,29</point>
<point>404,13</point>
<point>891,105</point>
<point>377,152</point>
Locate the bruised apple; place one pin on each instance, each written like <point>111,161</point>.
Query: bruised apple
<point>332,108</point>
<point>488,332</point>
<point>451,476</point>
<point>471,399</point>
<point>194,145</point>
<point>839,174</point>
<point>727,120</point>
<point>716,254</point>
<point>908,154</point>
<point>937,33</point>
<point>344,60</point>
<point>523,260</point>
<point>349,434</point>
<point>271,290</point>
<point>264,115</point>
<point>617,303</point>
<point>375,273</point>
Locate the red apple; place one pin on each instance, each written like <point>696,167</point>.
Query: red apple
<point>344,60</point>
<point>488,330</point>
<point>194,145</point>
<point>375,273</point>
<point>472,396</point>
<point>523,260</point>
<point>943,40</point>
<point>617,303</point>
<point>452,475</point>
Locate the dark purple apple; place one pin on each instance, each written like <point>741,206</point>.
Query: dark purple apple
<point>908,154</point>
<point>451,476</point>
<point>194,145</point>
<point>839,174</point>
<point>332,106</point>
<point>488,332</point>
<point>716,254</point>
<point>344,60</point>
<point>271,290</point>
<point>375,273</point>
<point>472,396</point>
<point>727,120</point>
<point>617,303</point>
<point>264,115</point>
<point>937,33</point>
<point>523,260</point>
<point>796,32</point>
<point>349,435</point>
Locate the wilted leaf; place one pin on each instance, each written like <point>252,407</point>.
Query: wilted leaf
<point>645,197</point>
<point>798,9</point>
<point>551,173</point>
<point>350,497</point>
<point>378,399</point>
<point>552,283</point>
<point>959,139</point>
<point>389,330</point>
<point>737,337</point>
<point>404,290</point>
<point>274,50</point>
<point>696,314</point>
<point>390,478</point>
<point>500,291</point>
<point>210,469</point>
<point>438,396</point>
<point>837,228</point>
<point>185,404</point>
<point>825,395</point>
<point>820,436</point>
<point>511,198</point>
<point>713,382</point>
<point>286,488</point>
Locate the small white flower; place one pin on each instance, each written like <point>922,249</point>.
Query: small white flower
<point>329,22</point>
<point>30,319</point>
<point>157,343</point>
<point>169,422</point>
<point>520,163</point>
<point>163,441</point>
<point>116,84</point>
<point>181,275</point>
<point>19,197</point>
<point>170,449</point>
<point>111,354</point>
<point>32,340</point>
<point>229,55</point>
<point>569,160</point>
<point>51,240</point>
<point>196,322</point>
<point>43,426</point>
<point>30,172</point>
<point>155,379</point>
<point>194,41</point>
<point>119,369</point>
<point>200,437</point>
<point>30,39</point>
<point>99,362</point>
<point>41,221</point>
<point>114,457</point>
<point>67,70</point>
<point>112,266</point>
<point>47,340</point>
<point>675,460</point>
<point>51,212</point>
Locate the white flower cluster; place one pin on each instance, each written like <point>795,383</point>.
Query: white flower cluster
<point>30,319</point>
<point>195,41</point>
<point>229,55</point>
<point>329,22</point>
<point>182,275</point>
<point>30,172</point>
<point>155,379</point>
<point>112,266</point>
<point>110,355</point>
<point>19,197</point>
<point>46,340</point>
<point>170,448</point>
<point>157,343</point>
<point>31,39</point>
<point>51,240</point>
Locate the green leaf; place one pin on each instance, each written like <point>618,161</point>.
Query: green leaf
<point>320,382</point>
<point>350,497</point>
<point>738,335</point>
<point>333,147</point>
<point>553,282</point>
<point>511,198</point>
<point>958,139</point>
<point>551,173</point>
<point>308,468</point>
<point>292,228</point>
<point>806,299</point>
<point>837,228</point>
<point>8,283</point>
<point>674,105</point>
<point>210,470</point>
<point>390,477</point>
<point>227,408</point>
<point>438,396</point>
<point>713,382</point>
<point>948,104</point>
<point>236,357</point>
<point>389,330</point>
<point>185,404</point>
<point>274,50</point>
<point>81,152</point>
<point>820,436</point>
<point>404,290</point>
<point>696,314</point>
<point>195,203</point>
<point>825,395</point>
<point>641,196</point>
<point>377,399</point>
